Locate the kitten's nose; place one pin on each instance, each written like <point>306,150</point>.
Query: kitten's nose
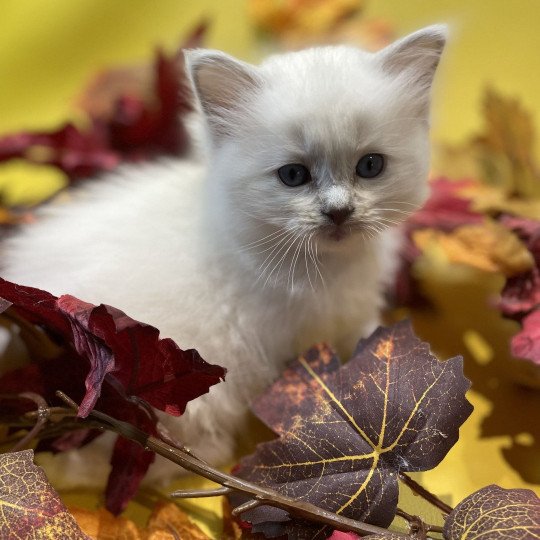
<point>339,215</point>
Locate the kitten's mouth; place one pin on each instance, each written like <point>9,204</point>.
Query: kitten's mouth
<point>336,233</point>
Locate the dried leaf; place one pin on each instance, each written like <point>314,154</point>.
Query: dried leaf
<point>521,293</point>
<point>446,208</point>
<point>489,247</point>
<point>493,513</point>
<point>293,20</point>
<point>526,343</point>
<point>102,525</point>
<point>110,361</point>
<point>346,431</point>
<point>167,522</point>
<point>135,113</point>
<point>29,506</point>
<point>507,144</point>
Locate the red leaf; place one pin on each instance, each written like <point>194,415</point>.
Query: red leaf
<point>521,293</point>
<point>109,361</point>
<point>143,121</point>
<point>76,152</point>
<point>129,462</point>
<point>150,368</point>
<point>445,209</point>
<point>30,506</point>
<point>526,344</point>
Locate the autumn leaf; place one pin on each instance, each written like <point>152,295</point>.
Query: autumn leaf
<point>133,114</point>
<point>167,522</point>
<point>108,360</point>
<point>521,294</point>
<point>346,431</point>
<point>292,19</point>
<point>507,146</point>
<point>489,247</point>
<point>29,506</point>
<point>494,512</point>
<point>446,208</point>
<point>526,343</point>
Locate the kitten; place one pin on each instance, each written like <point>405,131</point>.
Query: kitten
<point>283,238</point>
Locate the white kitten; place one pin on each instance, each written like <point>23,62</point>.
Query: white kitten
<point>279,241</point>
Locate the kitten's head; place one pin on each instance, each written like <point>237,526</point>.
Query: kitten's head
<point>317,150</point>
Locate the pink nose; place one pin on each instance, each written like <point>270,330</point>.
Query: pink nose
<point>339,215</point>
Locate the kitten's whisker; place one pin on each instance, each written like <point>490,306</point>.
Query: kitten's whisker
<point>293,264</point>
<point>388,220</point>
<point>261,243</point>
<point>287,244</point>
<point>283,240</point>
<point>399,211</point>
<point>279,264</point>
<point>318,263</point>
<point>305,258</point>
<point>264,240</point>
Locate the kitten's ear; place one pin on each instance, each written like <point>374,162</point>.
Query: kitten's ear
<point>416,56</point>
<point>222,84</point>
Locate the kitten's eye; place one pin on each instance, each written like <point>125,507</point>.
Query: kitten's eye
<point>294,175</point>
<point>370,165</point>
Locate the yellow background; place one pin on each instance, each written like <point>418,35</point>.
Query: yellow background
<point>49,50</point>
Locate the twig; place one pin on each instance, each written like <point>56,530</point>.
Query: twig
<point>248,505</point>
<point>424,493</point>
<point>196,493</point>
<point>416,522</point>
<point>42,415</point>
<point>261,494</point>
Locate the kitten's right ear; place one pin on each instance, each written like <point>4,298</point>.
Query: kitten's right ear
<point>222,84</point>
<point>416,56</point>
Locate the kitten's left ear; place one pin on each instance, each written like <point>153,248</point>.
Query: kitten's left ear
<point>223,85</point>
<point>416,56</point>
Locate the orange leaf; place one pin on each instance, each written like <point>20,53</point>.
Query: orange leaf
<point>489,247</point>
<point>167,522</point>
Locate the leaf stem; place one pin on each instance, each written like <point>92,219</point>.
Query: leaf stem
<point>417,522</point>
<point>195,493</point>
<point>415,487</point>
<point>260,494</point>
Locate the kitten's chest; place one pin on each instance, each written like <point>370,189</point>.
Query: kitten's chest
<point>339,315</point>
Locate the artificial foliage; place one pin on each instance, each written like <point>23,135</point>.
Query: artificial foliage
<point>346,435</point>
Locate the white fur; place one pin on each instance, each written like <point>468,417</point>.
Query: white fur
<point>225,258</point>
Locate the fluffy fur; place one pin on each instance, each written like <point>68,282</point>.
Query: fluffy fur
<point>219,254</point>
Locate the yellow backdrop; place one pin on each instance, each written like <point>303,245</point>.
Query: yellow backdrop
<point>49,50</point>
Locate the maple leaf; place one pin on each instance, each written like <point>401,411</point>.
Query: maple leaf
<point>346,431</point>
<point>446,207</point>
<point>29,506</point>
<point>521,293</point>
<point>445,210</point>
<point>167,522</point>
<point>526,343</point>
<point>136,113</point>
<point>112,361</point>
<point>494,512</point>
<point>489,247</point>
<point>507,146</point>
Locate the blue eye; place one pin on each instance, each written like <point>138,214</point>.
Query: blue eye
<point>370,165</point>
<point>294,175</point>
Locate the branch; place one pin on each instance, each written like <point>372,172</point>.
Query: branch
<point>417,524</point>
<point>261,495</point>
<point>425,494</point>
